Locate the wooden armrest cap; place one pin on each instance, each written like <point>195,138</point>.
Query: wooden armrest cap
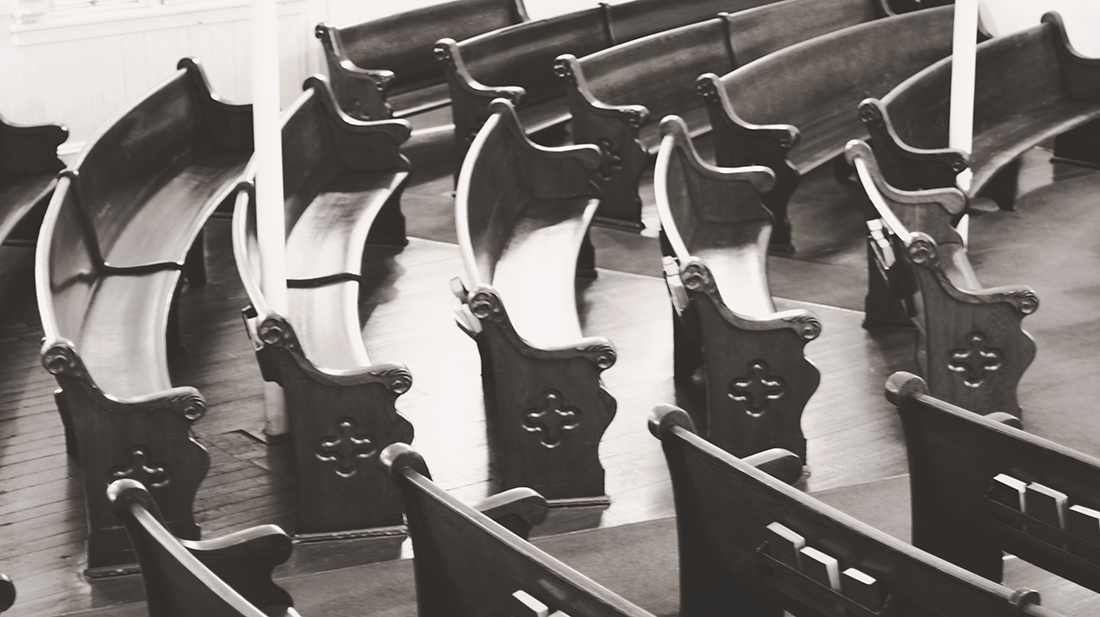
<point>901,385</point>
<point>664,417</point>
<point>401,456</point>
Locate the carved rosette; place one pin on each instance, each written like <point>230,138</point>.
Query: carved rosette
<point>398,379</point>
<point>975,360</point>
<point>274,330</point>
<point>442,53</point>
<point>191,404</point>
<point>347,449</point>
<point>707,89</point>
<point>757,389</point>
<point>564,70</point>
<point>603,355</point>
<point>807,326</point>
<point>552,420</point>
<point>59,358</point>
<point>1026,300</point>
<point>486,304</point>
<point>922,249</point>
<point>871,116</point>
<point>697,277</point>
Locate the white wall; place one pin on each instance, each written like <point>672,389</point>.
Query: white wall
<point>83,76</point>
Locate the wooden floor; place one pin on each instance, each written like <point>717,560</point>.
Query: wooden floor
<point>853,433</point>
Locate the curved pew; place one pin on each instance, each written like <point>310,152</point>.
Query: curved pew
<point>466,564</point>
<point>384,68</point>
<point>226,576</point>
<point>110,254</point>
<point>981,486</point>
<point>28,174</point>
<point>1029,86</point>
<point>517,63</point>
<point>616,95</point>
<point>794,110</point>
<point>715,233</point>
<point>342,184</point>
<point>522,214</point>
<point>970,344</point>
<point>748,540</point>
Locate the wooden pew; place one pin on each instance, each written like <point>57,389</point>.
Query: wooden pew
<point>110,255</point>
<point>970,343</point>
<point>522,214</point>
<point>226,576</point>
<point>385,68</point>
<point>981,486</point>
<point>28,170</point>
<point>748,540</point>
<point>715,232</point>
<point>1030,86</point>
<point>793,110</point>
<point>7,592</point>
<point>466,564</point>
<point>342,184</point>
<point>517,63</point>
<point>616,96</point>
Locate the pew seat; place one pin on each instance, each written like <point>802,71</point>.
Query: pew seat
<point>107,273</point>
<point>28,170</point>
<point>618,95</point>
<point>342,184</point>
<point>517,62</point>
<point>522,214</point>
<point>794,109</point>
<point>970,345</point>
<point>715,236</point>
<point>1030,86</point>
<point>980,486</point>
<point>385,68</point>
<point>750,541</point>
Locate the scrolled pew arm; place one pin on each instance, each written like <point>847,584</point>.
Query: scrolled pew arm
<point>634,116</point>
<point>446,51</point>
<point>939,165</point>
<point>786,136</point>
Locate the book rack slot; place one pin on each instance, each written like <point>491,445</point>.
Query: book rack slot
<point>1045,538</point>
<point>793,584</point>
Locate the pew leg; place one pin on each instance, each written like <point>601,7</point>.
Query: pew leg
<point>389,225</point>
<point>66,422</point>
<point>1079,146</point>
<point>777,200</point>
<point>194,265</point>
<point>586,259</point>
<point>881,308</point>
<point>842,171</point>
<point>1002,187</point>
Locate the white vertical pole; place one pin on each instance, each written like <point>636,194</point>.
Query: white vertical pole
<point>270,224</point>
<point>963,68</point>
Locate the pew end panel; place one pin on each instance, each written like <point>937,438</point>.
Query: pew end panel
<point>740,531</point>
<point>758,379</point>
<point>229,575</point>
<point>522,213</point>
<point>384,68</point>
<point>467,564</point>
<point>28,165</point>
<point>971,345</point>
<point>964,468</point>
<point>30,149</point>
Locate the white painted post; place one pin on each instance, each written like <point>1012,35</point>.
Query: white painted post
<point>963,68</point>
<point>270,224</point>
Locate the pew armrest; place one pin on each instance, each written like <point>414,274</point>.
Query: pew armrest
<point>360,91</point>
<point>905,166</point>
<point>245,561</point>
<point>518,510</point>
<point>709,86</point>
<point>781,464</point>
<point>448,52</point>
<point>567,68</point>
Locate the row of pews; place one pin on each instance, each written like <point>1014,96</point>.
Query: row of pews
<point>123,233</point>
<point>749,544</point>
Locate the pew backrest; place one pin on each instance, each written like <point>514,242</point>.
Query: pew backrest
<point>466,564</point>
<point>226,577</point>
<point>734,524</point>
<point>957,463</point>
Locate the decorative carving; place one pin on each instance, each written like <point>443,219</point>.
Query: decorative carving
<point>871,115</point>
<point>553,420</point>
<point>1026,300</point>
<point>443,54</point>
<point>347,448</point>
<point>486,304</point>
<point>273,331</point>
<point>784,137</point>
<point>191,404</point>
<point>635,115</point>
<point>610,161</point>
<point>808,326</point>
<point>922,250</point>
<point>975,360</point>
<point>152,475</point>
<point>696,277</point>
<point>757,389</point>
<point>564,70</point>
<point>399,379</point>
<point>707,89</point>
<point>61,358</point>
<point>604,353</point>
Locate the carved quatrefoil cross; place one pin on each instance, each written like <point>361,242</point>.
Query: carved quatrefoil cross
<point>152,475</point>
<point>975,360</point>
<point>553,420</point>
<point>346,449</point>
<point>757,389</point>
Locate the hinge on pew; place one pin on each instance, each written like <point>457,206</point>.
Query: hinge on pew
<point>469,323</point>
<point>528,606</point>
<point>880,244</point>
<point>676,288</point>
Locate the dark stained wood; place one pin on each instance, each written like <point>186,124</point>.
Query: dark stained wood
<point>523,213</point>
<point>954,454</point>
<point>728,558</point>
<point>28,164</point>
<point>617,96</point>
<point>7,592</point>
<point>796,108</point>
<point>970,343</point>
<point>1029,86</point>
<point>342,184</point>
<point>229,576</point>
<point>517,62</point>
<point>467,565</point>
<point>385,68</point>
<point>716,228</point>
<point>112,248</point>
